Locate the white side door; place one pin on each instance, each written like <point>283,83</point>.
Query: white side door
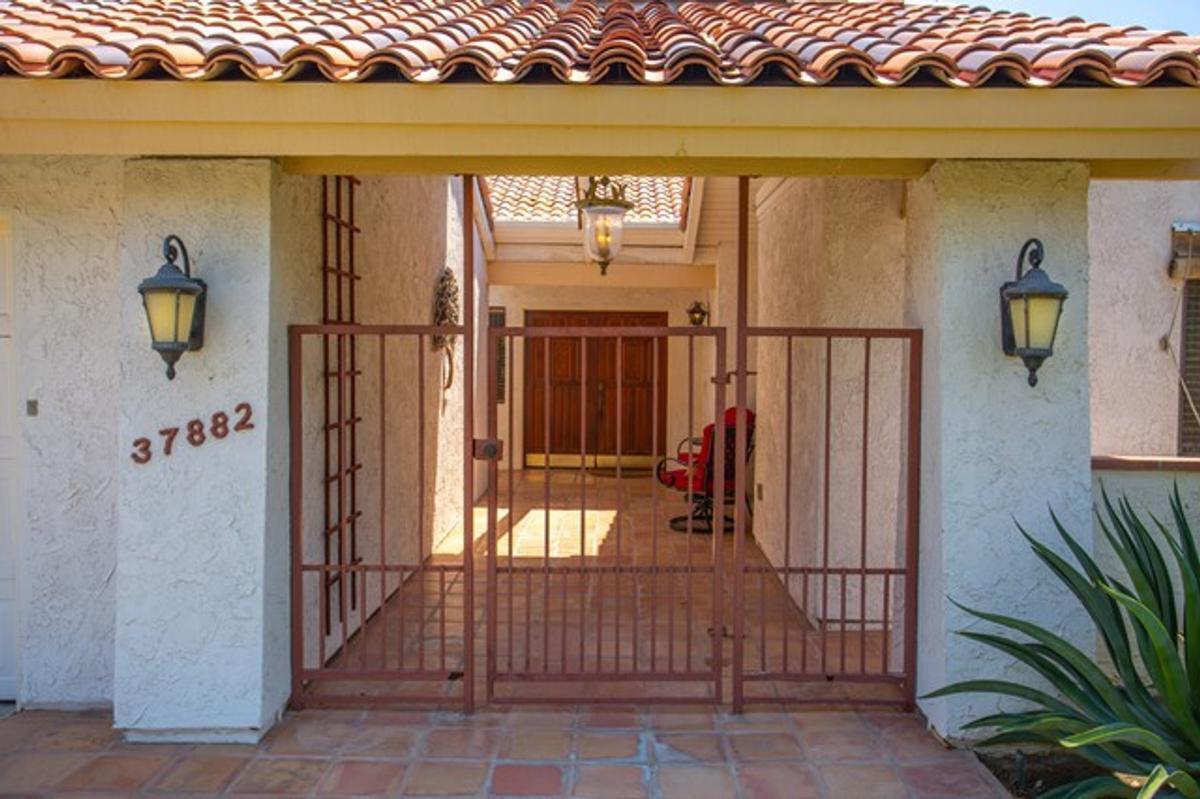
<point>8,474</point>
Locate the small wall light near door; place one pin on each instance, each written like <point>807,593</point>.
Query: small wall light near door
<point>603,206</point>
<point>1030,307</point>
<point>174,303</point>
<point>697,313</point>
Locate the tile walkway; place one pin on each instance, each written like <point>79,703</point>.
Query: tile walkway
<point>611,752</point>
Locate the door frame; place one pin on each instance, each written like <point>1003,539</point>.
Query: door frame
<point>532,451</point>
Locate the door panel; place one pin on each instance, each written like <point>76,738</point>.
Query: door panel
<point>562,379</point>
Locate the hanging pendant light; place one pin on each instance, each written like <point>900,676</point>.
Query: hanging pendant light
<point>603,206</point>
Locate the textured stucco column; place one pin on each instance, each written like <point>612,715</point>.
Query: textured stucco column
<point>201,635</point>
<point>994,449</point>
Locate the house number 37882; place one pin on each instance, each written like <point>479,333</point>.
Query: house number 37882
<point>195,432</point>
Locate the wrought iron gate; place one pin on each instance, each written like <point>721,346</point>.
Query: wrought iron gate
<point>831,618</point>
<point>590,597</point>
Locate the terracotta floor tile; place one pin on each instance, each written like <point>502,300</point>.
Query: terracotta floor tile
<point>361,778</point>
<point>308,736</point>
<point>946,782</point>
<point>380,740</point>
<point>864,782</point>
<point>611,719</point>
<point>610,782</point>
<point>831,722</point>
<point>517,779</point>
<point>696,782</point>
<point>114,773</point>
<point>841,746</point>
<point>445,779</point>
<point>541,719</point>
<point>89,736</point>
<point>764,746</point>
<point>759,721</point>
<point>684,719</point>
<point>537,745</point>
<point>916,746</point>
<point>281,776</point>
<point>778,781</point>
<point>461,742</point>
<point>608,746</point>
<point>397,718</point>
<point>200,773</point>
<point>688,748</point>
<point>36,771</point>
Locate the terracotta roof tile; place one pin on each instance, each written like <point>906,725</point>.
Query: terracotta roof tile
<point>551,198</point>
<point>729,42</point>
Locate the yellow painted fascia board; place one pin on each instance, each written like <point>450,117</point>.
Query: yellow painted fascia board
<point>322,127</point>
<point>641,276</point>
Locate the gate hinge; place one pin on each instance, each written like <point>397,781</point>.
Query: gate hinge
<point>487,449</point>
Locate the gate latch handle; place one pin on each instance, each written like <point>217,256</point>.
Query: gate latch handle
<point>487,449</point>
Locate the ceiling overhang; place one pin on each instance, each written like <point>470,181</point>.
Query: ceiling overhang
<point>322,128</point>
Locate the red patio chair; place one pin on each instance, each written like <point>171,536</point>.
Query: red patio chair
<point>698,465</point>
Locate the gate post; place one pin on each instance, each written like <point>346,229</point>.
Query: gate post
<point>469,318</point>
<point>739,491</point>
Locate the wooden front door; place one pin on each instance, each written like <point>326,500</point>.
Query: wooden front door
<point>557,382</point>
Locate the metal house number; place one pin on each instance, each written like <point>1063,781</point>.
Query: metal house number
<point>195,432</point>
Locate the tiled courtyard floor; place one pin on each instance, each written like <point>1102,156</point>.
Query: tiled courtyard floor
<point>611,752</point>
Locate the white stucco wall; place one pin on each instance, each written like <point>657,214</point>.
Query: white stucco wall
<point>294,297</point>
<point>63,217</point>
<point>194,529</point>
<point>518,299</point>
<point>1135,389</point>
<point>994,448</point>
<point>817,268</point>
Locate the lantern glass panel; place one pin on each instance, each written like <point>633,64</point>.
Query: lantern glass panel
<point>603,225</point>
<point>1034,321</point>
<point>170,314</point>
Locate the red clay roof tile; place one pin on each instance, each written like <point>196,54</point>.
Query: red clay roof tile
<point>729,42</point>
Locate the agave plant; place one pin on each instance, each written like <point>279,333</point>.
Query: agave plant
<point>1143,719</point>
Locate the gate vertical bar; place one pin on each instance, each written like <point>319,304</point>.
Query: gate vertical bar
<point>468,231</point>
<point>718,516</point>
<point>912,518</point>
<point>493,489</point>
<point>739,480</point>
<point>296,456</point>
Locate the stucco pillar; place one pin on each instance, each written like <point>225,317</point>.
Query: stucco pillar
<point>201,618</point>
<point>995,451</point>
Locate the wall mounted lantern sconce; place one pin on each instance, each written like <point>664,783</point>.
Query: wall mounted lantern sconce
<point>174,303</point>
<point>1030,308</point>
<point>697,313</point>
<point>603,206</point>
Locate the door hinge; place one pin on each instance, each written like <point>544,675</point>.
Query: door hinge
<point>487,449</point>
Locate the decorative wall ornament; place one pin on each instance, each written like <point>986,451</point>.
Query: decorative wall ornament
<point>446,313</point>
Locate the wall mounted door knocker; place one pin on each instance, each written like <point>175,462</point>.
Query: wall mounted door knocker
<point>446,314</point>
